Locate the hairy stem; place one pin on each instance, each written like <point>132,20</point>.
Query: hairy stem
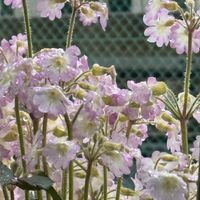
<point>44,140</point>
<point>105,183</point>
<point>27,27</point>
<point>71,26</point>
<point>87,180</point>
<point>64,184</point>
<point>5,193</point>
<point>119,185</point>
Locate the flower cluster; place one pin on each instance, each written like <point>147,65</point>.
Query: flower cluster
<point>63,117</point>
<point>164,28</point>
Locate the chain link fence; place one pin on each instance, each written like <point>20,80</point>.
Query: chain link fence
<point>122,45</point>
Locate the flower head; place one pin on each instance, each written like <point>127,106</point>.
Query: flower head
<point>14,3</point>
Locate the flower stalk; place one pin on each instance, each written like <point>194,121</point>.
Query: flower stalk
<point>27,27</point>
<point>119,185</point>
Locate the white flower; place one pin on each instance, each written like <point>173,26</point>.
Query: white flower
<point>166,186</point>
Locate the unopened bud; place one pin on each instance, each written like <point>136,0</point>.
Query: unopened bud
<point>134,105</point>
<point>107,100</point>
<point>79,175</point>
<point>162,127</point>
<point>159,88</point>
<point>168,118</point>
<point>84,10</point>
<point>87,86</point>
<point>96,6</point>
<point>171,6</point>
<point>122,117</point>
<point>60,1</point>
<point>170,22</point>
<point>187,15</point>
<point>80,94</point>
<point>59,132</point>
<point>190,3</point>
<point>110,146</point>
<point>127,192</point>
<point>169,157</point>
<point>12,135</point>
<point>94,172</point>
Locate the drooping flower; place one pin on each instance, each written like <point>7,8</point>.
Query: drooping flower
<point>50,99</point>
<point>59,152</point>
<point>168,186</point>
<point>179,39</point>
<point>159,30</point>
<point>19,44</point>
<point>196,148</point>
<point>14,3</point>
<point>119,163</point>
<point>50,9</point>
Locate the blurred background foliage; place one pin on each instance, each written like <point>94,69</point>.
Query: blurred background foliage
<point>123,45</point>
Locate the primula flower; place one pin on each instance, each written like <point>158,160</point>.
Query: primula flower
<point>88,16</point>
<point>14,3</point>
<point>19,44</point>
<point>50,99</point>
<point>50,9</point>
<point>168,186</point>
<point>196,148</point>
<point>179,39</point>
<point>59,65</point>
<point>159,31</point>
<point>119,163</point>
<point>60,152</point>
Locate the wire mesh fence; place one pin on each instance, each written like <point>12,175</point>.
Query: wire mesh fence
<point>122,45</point>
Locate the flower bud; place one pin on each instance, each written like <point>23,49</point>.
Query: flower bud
<point>170,22</point>
<point>110,146</point>
<point>127,192</point>
<point>107,100</point>
<point>79,175</point>
<point>190,3</point>
<point>80,94</point>
<point>122,117</point>
<point>134,105</point>
<point>159,88</point>
<point>169,157</point>
<point>167,118</point>
<point>94,172</point>
<point>60,1</point>
<point>12,135</point>
<point>171,6</point>
<point>96,6</point>
<point>87,86</point>
<point>59,132</point>
<point>84,10</point>
<point>162,127</point>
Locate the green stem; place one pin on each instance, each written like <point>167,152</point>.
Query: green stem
<point>71,27</point>
<point>64,184</point>
<point>105,183</point>
<point>27,27</point>
<point>12,195</point>
<point>5,193</point>
<point>20,132</point>
<point>183,120</point>
<point>71,165</point>
<point>119,184</point>
<point>184,135</point>
<point>21,140</point>
<point>39,195</point>
<point>44,140</point>
<point>87,180</point>
<point>187,73</point>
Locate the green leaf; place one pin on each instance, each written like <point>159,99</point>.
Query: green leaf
<point>6,175</point>
<point>35,182</point>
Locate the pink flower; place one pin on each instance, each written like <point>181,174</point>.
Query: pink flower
<point>14,3</point>
<point>59,152</point>
<point>88,16</point>
<point>50,9</point>
<point>50,99</point>
<point>19,44</point>
<point>196,115</point>
<point>179,39</point>
<point>158,31</point>
<point>196,147</point>
<point>141,93</point>
<point>118,163</point>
